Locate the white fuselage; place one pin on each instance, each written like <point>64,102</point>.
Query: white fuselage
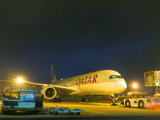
<point>102,82</point>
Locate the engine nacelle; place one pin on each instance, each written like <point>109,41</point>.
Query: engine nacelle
<point>49,92</point>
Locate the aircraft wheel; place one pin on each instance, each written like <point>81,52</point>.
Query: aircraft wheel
<point>85,99</point>
<point>54,99</point>
<point>113,104</point>
<point>59,100</point>
<point>141,104</point>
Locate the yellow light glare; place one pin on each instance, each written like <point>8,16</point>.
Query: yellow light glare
<point>134,85</point>
<point>20,80</point>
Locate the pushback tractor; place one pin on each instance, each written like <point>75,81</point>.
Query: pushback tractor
<point>152,79</point>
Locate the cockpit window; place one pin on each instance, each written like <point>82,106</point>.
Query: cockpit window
<point>115,76</point>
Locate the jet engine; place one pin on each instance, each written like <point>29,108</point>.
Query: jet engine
<point>49,92</point>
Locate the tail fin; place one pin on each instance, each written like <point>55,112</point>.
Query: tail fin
<point>53,74</point>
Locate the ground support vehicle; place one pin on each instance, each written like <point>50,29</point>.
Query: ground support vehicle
<point>142,102</point>
<point>145,99</point>
<point>62,110</point>
<point>24,100</point>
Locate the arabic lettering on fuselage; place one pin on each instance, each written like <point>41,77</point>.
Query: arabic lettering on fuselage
<point>86,80</point>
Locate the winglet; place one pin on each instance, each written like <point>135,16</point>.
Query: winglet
<point>53,74</point>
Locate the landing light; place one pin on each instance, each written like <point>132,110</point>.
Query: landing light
<point>20,80</point>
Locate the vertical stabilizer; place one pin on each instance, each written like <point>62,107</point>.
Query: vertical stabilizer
<point>53,74</point>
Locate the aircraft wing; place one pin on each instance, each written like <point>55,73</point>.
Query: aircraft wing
<point>24,82</point>
<point>58,87</point>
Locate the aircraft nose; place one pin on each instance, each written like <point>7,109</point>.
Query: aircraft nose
<point>123,85</point>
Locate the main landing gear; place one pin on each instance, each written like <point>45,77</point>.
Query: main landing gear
<point>85,99</point>
<point>57,100</point>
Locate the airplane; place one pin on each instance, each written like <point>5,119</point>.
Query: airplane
<point>103,82</point>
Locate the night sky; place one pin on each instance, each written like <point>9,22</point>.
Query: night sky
<point>77,37</point>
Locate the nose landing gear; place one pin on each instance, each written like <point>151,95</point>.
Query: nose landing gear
<point>114,99</point>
